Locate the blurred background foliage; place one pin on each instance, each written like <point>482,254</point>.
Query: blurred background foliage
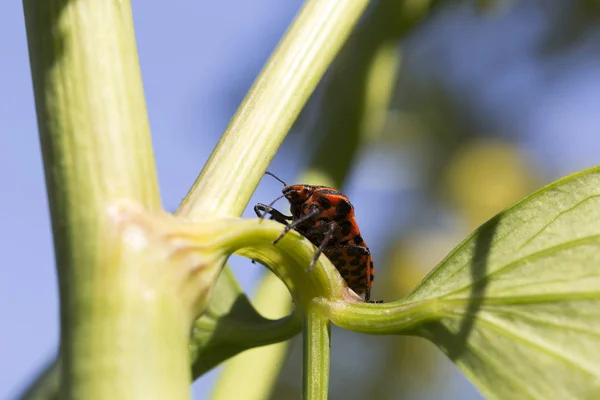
<point>422,122</point>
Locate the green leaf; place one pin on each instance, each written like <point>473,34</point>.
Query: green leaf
<point>517,305</point>
<point>231,325</point>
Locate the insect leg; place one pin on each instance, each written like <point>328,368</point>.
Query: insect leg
<point>262,209</point>
<point>299,221</point>
<point>315,233</point>
<point>328,236</point>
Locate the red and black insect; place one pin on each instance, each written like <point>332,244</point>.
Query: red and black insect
<point>325,216</point>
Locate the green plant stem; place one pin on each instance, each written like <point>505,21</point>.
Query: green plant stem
<point>316,335</point>
<point>263,120</point>
<point>398,317</point>
<point>123,329</point>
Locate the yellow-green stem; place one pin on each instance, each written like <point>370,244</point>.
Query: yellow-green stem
<point>316,335</point>
<point>123,333</point>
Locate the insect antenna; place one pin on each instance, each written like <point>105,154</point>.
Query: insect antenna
<point>277,199</point>
<point>273,175</point>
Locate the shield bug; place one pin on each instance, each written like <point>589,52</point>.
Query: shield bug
<point>325,216</point>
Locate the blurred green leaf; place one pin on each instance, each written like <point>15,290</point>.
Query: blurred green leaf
<point>517,305</point>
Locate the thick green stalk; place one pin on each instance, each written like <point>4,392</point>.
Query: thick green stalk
<point>316,335</point>
<point>123,328</point>
<point>263,120</point>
